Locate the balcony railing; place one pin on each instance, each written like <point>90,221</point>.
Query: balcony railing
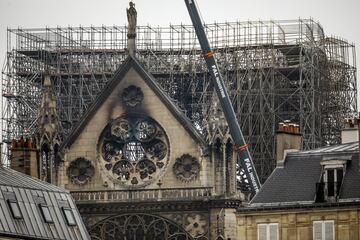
<point>143,195</point>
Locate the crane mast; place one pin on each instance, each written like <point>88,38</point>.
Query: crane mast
<point>243,155</point>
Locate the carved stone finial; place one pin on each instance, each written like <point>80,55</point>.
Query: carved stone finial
<point>132,19</point>
<point>216,125</point>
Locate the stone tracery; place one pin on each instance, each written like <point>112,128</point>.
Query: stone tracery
<point>196,225</point>
<point>138,226</point>
<point>133,149</point>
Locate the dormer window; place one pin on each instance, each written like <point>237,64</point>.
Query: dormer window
<point>333,178</point>
<point>328,189</point>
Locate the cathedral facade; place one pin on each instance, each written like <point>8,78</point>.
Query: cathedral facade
<point>137,166</point>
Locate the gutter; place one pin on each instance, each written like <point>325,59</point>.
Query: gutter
<point>299,205</point>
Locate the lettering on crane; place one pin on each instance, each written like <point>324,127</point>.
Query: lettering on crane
<point>249,168</point>
<point>218,81</point>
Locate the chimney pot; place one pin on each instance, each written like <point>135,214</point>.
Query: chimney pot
<point>286,128</point>
<point>281,127</point>
<point>297,128</point>
<point>291,128</point>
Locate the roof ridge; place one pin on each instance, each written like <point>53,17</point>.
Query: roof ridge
<point>344,147</point>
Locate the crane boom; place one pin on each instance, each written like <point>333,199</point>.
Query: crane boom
<point>243,152</point>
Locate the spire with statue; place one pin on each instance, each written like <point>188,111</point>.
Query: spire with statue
<point>132,19</point>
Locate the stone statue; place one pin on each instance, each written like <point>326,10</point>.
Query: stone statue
<point>132,15</point>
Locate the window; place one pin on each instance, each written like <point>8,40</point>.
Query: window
<point>15,210</point>
<point>323,230</point>
<point>69,216</point>
<point>133,149</point>
<point>267,231</point>
<point>334,170</point>
<point>333,178</point>
<point>45,212</point>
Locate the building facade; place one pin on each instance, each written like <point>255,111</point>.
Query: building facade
<point>300,223</point>
<point>139,168</point>
<point>136,166</point>
<point>310,195</point>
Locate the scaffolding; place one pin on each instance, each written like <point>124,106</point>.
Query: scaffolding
<point>274,70</point>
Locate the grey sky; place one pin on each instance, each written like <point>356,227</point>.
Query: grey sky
<point>339,18</point>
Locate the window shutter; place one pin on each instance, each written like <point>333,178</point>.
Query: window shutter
<point>273,231</point>
<point>329,230</point>
<point>262,232</point>
<point>317,228</point>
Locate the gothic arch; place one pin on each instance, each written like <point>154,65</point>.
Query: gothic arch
<point>138,226</point>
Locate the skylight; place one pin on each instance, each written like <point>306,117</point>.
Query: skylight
<point>45,212</point>
<point>15,210</point>
<point>69,216</point>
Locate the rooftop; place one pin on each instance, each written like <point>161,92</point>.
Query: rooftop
<point>295,183</point>
<point>33,209</point>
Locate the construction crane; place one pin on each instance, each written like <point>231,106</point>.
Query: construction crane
<point>243,157</point>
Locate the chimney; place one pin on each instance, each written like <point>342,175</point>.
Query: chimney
<point>350,132</point>
<point>288,139</point>
<point>24,157</point>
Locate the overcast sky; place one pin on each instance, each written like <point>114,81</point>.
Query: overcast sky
<point>338,17</point>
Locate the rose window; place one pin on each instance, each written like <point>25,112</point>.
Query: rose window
<point>186,168</point>
<point>133,150</point>
<point>132,96</point>
<point>80,171</point>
